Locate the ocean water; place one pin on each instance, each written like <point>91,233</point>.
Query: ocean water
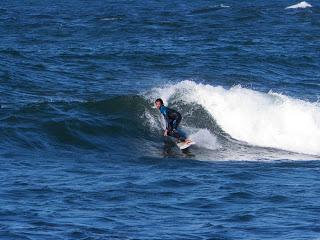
<point>82,154</point>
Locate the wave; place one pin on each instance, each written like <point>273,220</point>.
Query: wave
<point>261,119</point>
<point>80,124</point>
<point>302,4</point>
<point>225,123</point>
<point>97,125</point>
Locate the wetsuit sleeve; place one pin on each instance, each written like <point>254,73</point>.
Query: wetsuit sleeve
<point>166,118</point>
<point>165,114</point>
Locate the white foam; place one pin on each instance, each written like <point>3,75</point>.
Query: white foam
<point>205,139</point>
<point>224,6</point>
<point>262,119</point>
<point>110,19</point>
<point>151,122</point>
<point>302,4</point>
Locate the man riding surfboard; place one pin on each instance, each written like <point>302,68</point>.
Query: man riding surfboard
<point>173,119</point>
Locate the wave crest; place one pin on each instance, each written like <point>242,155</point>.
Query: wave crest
<point>302,4</point>
<point>261,119</point>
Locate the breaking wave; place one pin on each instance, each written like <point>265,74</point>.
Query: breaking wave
<point>261,119</point>
<point>302,4</point>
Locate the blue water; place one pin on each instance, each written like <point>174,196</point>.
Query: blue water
<point>82,154</point>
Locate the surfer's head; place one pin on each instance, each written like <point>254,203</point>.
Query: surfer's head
<point>158,103</point>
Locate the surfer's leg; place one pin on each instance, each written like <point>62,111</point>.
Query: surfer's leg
<point>170,126</point>
<point>172,131</point>
<point>175,124</point>
<point>181,139</point>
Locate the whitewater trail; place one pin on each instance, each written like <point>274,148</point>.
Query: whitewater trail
<point>261,119</point>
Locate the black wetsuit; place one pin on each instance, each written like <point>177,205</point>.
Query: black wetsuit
<point>173,118</point>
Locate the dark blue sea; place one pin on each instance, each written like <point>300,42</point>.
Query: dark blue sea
<point>82,151</point>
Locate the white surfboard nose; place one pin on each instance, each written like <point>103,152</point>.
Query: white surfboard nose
<point>184,145</point>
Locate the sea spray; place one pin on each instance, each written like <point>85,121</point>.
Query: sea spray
<point>261,119</point>
<point>205,139</point>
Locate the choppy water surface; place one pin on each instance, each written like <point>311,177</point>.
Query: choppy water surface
<point>81,147</point>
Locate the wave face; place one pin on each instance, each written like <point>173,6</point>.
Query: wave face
<point>98,125</point>
<point>262,119</point>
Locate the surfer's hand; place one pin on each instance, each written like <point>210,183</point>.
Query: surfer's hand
<point>165,133</point>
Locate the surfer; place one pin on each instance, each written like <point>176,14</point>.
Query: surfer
<point>173,119</point>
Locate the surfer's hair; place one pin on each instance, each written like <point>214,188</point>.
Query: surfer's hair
<point>159,100</point>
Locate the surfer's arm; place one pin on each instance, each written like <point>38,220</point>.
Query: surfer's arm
<point>165,133</point>
<point>166,118</point>
<point>167,125</point>
<point>165,115</point>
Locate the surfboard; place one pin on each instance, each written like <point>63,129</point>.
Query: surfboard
<point>183,145</point>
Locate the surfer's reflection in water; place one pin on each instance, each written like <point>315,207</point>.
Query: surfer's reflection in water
<point>170,149</point>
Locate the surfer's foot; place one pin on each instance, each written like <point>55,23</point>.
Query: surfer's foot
<point>187,141</point>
